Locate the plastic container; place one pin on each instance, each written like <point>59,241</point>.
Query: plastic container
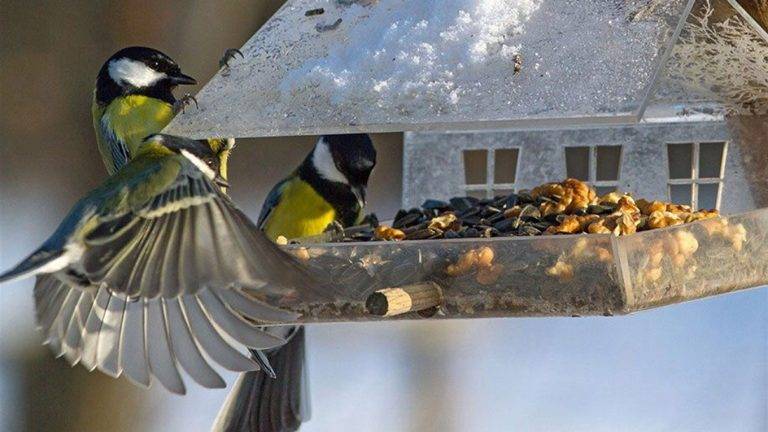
<point>584,274</point>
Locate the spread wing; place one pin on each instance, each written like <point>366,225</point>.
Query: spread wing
<point>182,278</point>
<point>143,338</point>
<point>187,238</point>
<point>273,198</point>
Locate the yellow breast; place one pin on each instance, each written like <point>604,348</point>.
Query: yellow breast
<point>132,118</point>
<point>301,212</point>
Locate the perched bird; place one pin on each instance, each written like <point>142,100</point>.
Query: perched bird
<point>156,266</point>
<point>134,99</point>
<point>329,186</point>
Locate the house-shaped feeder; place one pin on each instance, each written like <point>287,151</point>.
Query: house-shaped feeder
<point>664,99</point>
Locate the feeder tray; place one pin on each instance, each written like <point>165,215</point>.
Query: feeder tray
<point>563,275</point>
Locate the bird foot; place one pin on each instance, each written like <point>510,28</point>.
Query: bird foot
<point>181,104</point>
<point>229,55</point>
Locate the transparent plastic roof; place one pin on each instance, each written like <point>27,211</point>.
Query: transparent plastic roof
<point>720,56</point>
<point>398,65</point>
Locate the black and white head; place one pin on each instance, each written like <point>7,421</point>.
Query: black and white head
<point>205,155</point>
<point>140,70</point>
<point>347,159</point>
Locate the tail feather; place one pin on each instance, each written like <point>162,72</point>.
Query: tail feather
<point>259,403</point>
<point>41,261</point>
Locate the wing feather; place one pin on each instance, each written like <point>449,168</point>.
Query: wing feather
<point>236,327</point>
<point>133,355</point>
<point>73,340</point>
<point>210,340</point>
<point>253,308</point>
<point>185,348</point>
<point>159,353</point>
<point>59,328</point>
<point>169,276</point>
<point>93,327</point>
<point>108,347</point>
<point>48,314</point>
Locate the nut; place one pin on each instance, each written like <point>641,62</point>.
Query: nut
<point>485,257</point>
<point>489,275</point>
<point>561,270</point>
<point>603,254</point>
<point>686,242</point>
<point>383,232</point>
<point>301,253</point>
<point>445,222</point>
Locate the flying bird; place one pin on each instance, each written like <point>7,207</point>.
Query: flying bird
<point>156,267</point>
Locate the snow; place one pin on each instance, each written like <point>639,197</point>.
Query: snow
<point>394,65</point>
<point>424,53</point>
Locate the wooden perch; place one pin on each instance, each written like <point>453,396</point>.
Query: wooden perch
<point>409,298</point>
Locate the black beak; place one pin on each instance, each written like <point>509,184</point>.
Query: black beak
<point>181,79</point>
<point>221,182</point>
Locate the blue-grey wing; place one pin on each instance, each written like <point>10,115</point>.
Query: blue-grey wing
<point>114,152</point>
<point>170,281</point>
<point>273,198</point>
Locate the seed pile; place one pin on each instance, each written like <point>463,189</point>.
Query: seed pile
<point>568,207</point>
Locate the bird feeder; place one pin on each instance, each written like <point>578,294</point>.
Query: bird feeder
<point>670,96</point>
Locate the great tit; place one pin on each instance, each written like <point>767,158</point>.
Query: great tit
<point>329,186</point>
<point>158,265</point>
<point>133,99</point>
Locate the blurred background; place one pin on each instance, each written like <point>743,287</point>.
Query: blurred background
<point>701,366</point>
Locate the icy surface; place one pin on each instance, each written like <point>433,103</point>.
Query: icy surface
<point>721,57</point>
<point>393,65</point>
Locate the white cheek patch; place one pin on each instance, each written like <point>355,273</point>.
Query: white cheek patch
<point>202,166</point>
<point>132,72</point>
<point>322,159</point>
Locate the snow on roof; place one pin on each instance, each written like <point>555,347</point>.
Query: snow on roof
<point>394,65</point>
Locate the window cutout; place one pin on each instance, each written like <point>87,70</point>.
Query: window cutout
<point>681,194</point>
<point>696,173</point>
<point>608,162</point>
<point>707,196</point>
<point>475,167</point>
<point>680,161</point>
<point>505,166</point>
<point>477,163</point>
<point>602,190</point>
<point>711,159</point>
<point>577,162</point>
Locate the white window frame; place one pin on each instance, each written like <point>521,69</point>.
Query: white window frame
<point>592,165</point>
<point>695,181</point>
<point>490,172</point>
